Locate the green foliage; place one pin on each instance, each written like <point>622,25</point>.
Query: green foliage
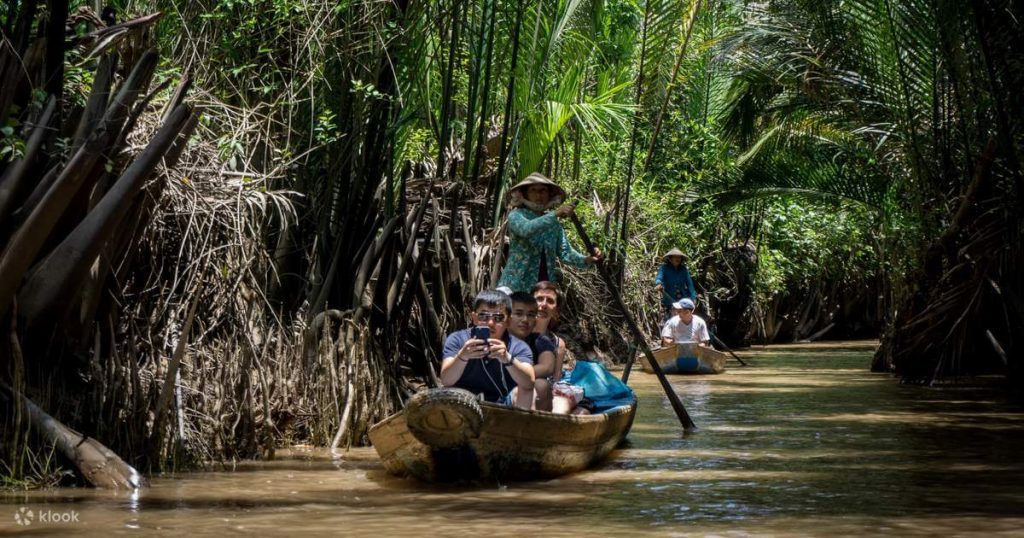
<point>790,124</point>
<point>12,146</point>
<point>545,123</point>
<point>32,469</point>
<point>800,243</point>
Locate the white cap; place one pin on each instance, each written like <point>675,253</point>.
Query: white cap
<point>684,304</point>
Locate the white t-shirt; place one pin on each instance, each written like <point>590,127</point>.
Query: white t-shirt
<point>681,333</point>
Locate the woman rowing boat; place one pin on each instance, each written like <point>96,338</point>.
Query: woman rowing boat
<point>536,238</point>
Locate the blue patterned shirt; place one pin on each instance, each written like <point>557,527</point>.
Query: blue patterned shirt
<point>531,234</point>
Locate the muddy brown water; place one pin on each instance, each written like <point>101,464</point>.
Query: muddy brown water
<point>804,442</point>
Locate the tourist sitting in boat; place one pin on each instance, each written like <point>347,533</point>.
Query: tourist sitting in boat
<point>485,359</point>
<point>536,238</point>
<point>549,306</point>
<point>673,281</point>
<point>685,327</point>
<point>523,322</point>
<point>565,397</point>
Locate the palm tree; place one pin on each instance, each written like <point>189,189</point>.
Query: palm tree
<point>901,107</point>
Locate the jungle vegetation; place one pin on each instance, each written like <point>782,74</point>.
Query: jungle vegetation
<point>229,225</point>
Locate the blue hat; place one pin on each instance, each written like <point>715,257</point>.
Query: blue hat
<point>683,304</point>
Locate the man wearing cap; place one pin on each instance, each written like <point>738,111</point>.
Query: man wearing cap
<point>536,238</point>
<point>685,327</point>
<point>673,281</point>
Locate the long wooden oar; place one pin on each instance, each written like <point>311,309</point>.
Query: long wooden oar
<point>629,363</point>
<point>721,343</point>
<point>673,398</point>
<point>632,354</point>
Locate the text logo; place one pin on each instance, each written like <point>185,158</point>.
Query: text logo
<point>25,516</point>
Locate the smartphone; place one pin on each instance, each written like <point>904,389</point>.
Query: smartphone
<point>483,333</point>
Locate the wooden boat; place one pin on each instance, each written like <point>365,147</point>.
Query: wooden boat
<point>687,359</point>
<point>501,442</point>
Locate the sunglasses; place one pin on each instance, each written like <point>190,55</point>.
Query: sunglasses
<point>487,316</point>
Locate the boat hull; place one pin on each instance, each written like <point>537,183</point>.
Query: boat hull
<point>687,359</point>
<point>513,445</point>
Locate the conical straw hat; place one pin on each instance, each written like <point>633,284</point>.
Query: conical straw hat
<point>675,252</point>
<point>537,178</point>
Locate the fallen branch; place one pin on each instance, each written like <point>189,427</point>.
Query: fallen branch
<point>96,463</point>
<point>998,348</point>
<point>819,334</point>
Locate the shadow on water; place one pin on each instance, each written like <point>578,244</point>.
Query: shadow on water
<point>800,443</point>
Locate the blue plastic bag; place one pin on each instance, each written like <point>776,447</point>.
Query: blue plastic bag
<point>600,386</point>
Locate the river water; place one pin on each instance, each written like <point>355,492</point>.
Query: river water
<point>804,441</point>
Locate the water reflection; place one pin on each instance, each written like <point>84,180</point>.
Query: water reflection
<point>799,443</point>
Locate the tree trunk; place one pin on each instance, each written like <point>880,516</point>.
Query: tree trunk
<point>96,463</point>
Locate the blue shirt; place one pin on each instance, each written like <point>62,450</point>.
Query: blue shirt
<point>677,283</point>
<point>487,376</point>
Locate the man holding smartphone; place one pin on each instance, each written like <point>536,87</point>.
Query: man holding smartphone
<point>485,359</point>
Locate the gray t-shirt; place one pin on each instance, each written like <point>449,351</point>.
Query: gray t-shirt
<point>487,376</point>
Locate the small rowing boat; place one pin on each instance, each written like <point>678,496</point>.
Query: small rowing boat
<point>687,359</point>
<point>446,435</point>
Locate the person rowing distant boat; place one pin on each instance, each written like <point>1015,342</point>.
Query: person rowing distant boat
<point>673,281</point>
